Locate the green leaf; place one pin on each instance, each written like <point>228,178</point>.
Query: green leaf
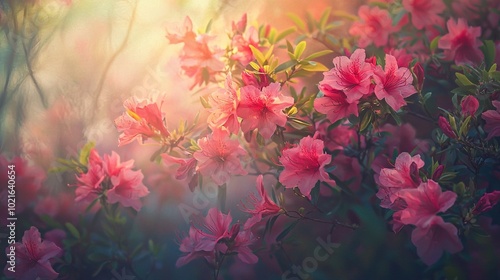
<point>258,55</point>
<point>318,54</point>
<point>489,50</point>
<point>464,128</point>
<point>85,152</point>
<point>434,44</point>
<point>284,66</point>
<point>72,229</point>
<point>285,33</point>
<point>314,66</point>
<point>298,21</point>
<point>324,18</point>
<point>462,80</point>
<point>299,49</point>
<point>366,120</point>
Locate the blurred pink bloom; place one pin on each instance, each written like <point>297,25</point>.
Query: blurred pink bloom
<point>263,109</point>
<point>392,180</point>
<point>434,238</point>
<point>469,105</point>
<point>394,83</point>
<point>486,202</point>
<point>424,12</point>
<point>181,34</point>
<point>402,56</point>
<point>374,26</point>
<point>142,120</point>
<point>243,52</point>
<point>194,247</point>
<point>33,257</point>
<point>304,165</point>
<point>89,184</point>
<point>261,207</point>
<point>187,166</point>
<point>350,75</point>
<point>127,187</point>
<point>338,137</point>
<point>219,156</point>
<point>462,43</point>
<point>224,103</point>
<point>334,104</point>
<point>492,118</point>
<point>213,234</point>
<point>424,202</point>
<point>112,178</point>
<point>347,169</point>
<point>241,25</point>
<point>446,127</point>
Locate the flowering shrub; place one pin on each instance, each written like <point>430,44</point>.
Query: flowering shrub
<point>379,129</point>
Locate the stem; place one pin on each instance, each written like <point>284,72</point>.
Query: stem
<point>218,267</point>
<point>221,198</point>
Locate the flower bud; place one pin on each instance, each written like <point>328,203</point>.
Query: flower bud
<point>446,127</point>
<point>419,74</point>
<point>437,173</point>
<point>414,174</point>
<point>469,105</point>
<point>486,202</point>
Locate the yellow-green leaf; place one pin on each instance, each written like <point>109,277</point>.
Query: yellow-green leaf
<point>299,49</point>
<point>258,55</point>
<point>314,66</point>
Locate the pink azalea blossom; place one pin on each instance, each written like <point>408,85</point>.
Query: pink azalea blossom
<point>469,105</point>
<point>304,165</point>
<point>214,234</point>
<point>224,103</point>
<point>492,118</point>
<point>486,202</point>
<point>261,207</point>
<point>142,120</point>
<point>424,202</point>
<point>337,138</point>
<point>435,238</point>
<point>263,109</point>
<point>462,43</point>
<point>89,183</point>
<point>242,43</point>
<point>258,80</point>
<point>394,83</point>
<point>374,26</point>
<point>334,104</point>
<point>181,34</point>
<point>127,189</point>
<point>350,75</point>
<point>33,257</point>
<point>219,156</point>
<point>112,178</point>
<point>392,180</point>
<point>187,166</point>
<point>424,12</point>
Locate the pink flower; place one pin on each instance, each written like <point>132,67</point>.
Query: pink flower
<point>258,80</point>
<point>394,84</point>
<point>337,138</point>
<point>392,180</point>
<point>469,105</point>
<point>486,202</point>
<point>109,177</point>
<point>424,12</point>
<point>142,120</point>
<point>374,26</point>
<point>446,127</point>
<point>194,246</point>
<point>334,104</point>
<point>350,75</point>
<point>435,238</point>
<point>224,103</point>
<point>219,156</point>
<point>89,183</point>
<point>424,202</point>
<point>305,165</point>
<point>33,257</point>
<point>462,43</point>
<point>261,207</point>
<point>492,118</point>
<point>127,188</point>
<point>242,44</point>
<point>187,166</point>
<point>213,234</point>
<point>181,34</point>
<point>263,109</point>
